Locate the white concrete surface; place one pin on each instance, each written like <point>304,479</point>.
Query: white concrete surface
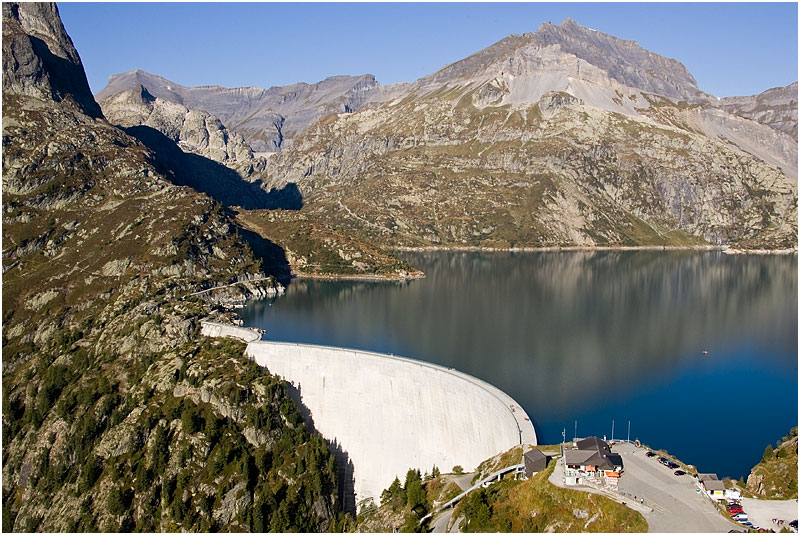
<point>761,512</point>
<point>391,413</point>
<point>220,330</point>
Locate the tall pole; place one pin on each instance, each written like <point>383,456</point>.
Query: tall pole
<point>575,433</point>
<point>612,430</point>
<point>629,431</point>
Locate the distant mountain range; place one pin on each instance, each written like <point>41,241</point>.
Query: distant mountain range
<point>565,136</point>
<point>268,118</point>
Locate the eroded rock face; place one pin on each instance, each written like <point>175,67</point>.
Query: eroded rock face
<point>562,137</point>
<point>776,107</point>
<point>269,119</point>
<point>552,101</point>
<point>39,59</point>
<point>194,131</point>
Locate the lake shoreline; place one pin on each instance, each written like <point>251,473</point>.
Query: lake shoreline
<point>365,277</point>
<point>573,248</point>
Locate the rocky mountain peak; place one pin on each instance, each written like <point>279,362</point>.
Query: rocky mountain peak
<point>625,61</point>
<point>39,59</point>
<point>552,56</point>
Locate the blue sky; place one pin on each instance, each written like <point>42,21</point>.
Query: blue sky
<point>730,48</point>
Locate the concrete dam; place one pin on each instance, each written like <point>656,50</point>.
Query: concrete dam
<point>389,414</point>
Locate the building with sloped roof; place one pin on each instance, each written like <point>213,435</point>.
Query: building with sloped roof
<point>591,458</point>
<point>535,461</point>
<point>715,489</point>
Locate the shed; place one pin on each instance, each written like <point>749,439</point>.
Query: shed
<point>535,461</point>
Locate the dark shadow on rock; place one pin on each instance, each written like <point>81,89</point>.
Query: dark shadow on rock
<point>345,479</point>
<point>272,256</point>
<point>286,198</point>
<point>66,78</point>
<point>212,178</point>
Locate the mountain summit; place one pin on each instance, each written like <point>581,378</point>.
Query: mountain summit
<point>549,59</point>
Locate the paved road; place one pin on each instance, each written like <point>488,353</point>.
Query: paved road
<point>761,512</point>
<point>440,523</point>
<point>677,507</point>
<point>464,481</point>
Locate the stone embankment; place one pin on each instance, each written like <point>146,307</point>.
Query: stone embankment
<point>388,414</point>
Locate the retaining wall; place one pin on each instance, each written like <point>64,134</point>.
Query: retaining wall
<point>390,413</point>
<point>220,330</point>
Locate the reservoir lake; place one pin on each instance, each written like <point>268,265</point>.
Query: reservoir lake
<point>587,338</point>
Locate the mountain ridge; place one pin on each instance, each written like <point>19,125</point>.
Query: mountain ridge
<point>602,70</point>
<point>268,118</point>
<point>434,162</point>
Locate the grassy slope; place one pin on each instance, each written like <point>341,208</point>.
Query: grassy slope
<point>536,505</point>
<point>776,475</point>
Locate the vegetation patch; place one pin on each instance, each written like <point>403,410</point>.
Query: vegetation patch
<point>537,506</point>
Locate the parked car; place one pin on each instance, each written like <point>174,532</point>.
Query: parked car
<point>679,472</point>
<point>671,465</point>
<point>736,511</point>
<point>651,454</point>
<point>663,460</point>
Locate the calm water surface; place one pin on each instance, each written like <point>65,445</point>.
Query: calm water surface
<point>588,337</point>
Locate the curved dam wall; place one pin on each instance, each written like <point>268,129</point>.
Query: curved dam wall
<point>389,414</point>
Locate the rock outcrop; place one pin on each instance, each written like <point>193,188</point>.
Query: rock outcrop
<point>39,59</point>
<point>194,131</point>
<point>269,119</point>
<point>775,477</point>
<point>776,107</point>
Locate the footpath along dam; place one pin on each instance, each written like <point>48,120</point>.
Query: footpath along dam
<point>389,414</point>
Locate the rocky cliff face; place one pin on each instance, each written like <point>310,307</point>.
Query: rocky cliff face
<point>269,119</point>
<point>194,131</point>
<point>39,59</point>
<point>115,416</point>
<point>775,107</point>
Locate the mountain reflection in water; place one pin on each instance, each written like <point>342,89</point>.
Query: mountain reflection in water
<point>588,336</point>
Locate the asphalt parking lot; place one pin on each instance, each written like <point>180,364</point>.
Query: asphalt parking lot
<point>676,505</point>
